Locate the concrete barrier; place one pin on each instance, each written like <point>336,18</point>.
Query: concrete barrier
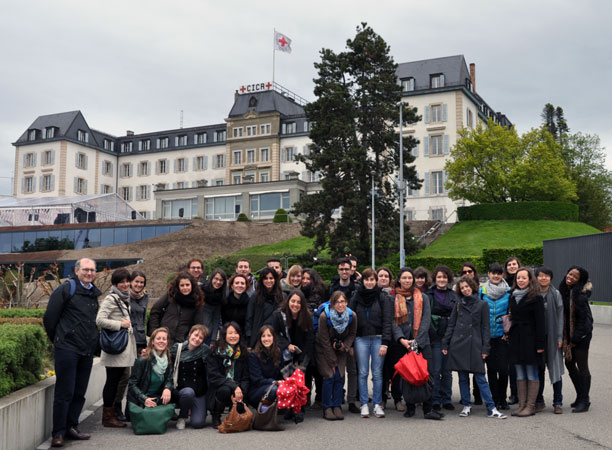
<point>26,416</point>
<point>602,314</point>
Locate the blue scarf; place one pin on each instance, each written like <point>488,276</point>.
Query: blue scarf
<point>339,321</point>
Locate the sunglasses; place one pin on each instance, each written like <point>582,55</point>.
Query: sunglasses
<point>464,272</point>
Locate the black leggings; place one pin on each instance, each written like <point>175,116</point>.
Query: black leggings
<point>113,376</point>
<point>497,369</point>
<point>579,364</point>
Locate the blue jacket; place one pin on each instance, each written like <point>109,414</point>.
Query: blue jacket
<point>497,308</point>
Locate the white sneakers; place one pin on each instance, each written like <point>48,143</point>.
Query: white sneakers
<point>466,411</point>
<point>365,411</point>
<point>379,411</point>
<point>180,424</point>
<point>495,414</point>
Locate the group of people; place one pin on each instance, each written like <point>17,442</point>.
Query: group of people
<point>217,340</point>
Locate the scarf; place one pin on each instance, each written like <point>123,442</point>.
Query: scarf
<point>519,294</point>
<point>401,308</point>
<point>367,297</point>
<point>567,342</point>
<point>138,295</point>
<point>213,297</point>
<point>496,291</point>
<point>185,300</point>
<point>161,364</point>
<point>242,300</point>
<point>123,295</point>
<point>339,321</point>
<point>307,290</point>
<point>230,355</point>
<point>193,354</point>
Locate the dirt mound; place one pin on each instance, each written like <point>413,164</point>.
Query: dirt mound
<point>162,255</point>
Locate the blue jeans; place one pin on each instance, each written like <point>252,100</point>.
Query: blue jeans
<point>332,390</point>
<point>366,349</point>
<point>188,401</point>
<point>485,391</point>
<point>526,372</point>
<point>72,377</point>
<point>442,378</point>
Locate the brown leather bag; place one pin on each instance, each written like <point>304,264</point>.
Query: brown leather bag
<point>240,418</point>
<point>266,416</point>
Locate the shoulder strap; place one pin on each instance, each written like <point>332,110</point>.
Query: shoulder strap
<point>72,286</point>
<point>177,363</point>
<point>286,329</point>
<point>116,298</point>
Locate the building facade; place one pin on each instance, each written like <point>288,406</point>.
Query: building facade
<point>248,162</point>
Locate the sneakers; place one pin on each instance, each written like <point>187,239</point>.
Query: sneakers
<point>365,411</point>
<point>379,411</point>
<point>495,414</point>
<point>467,411</point>
<point>180,424</point>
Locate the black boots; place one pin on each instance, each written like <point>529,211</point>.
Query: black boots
<point>583,402</point>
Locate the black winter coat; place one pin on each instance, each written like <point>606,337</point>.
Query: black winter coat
<point>440,313</point>
<point>177,318</point>
<point>138,317</point>
<point>303,339</point>
<point>583,318</point>
<point>261,375</point>
<point>140,380</point>
<point>528,330</point>
<point>375,320</point>
<point>467,335</point>
<point>405,330</point>
<point>70,322</point>
<point>348,290</point>
<point>217,373</point>
<point>235,309</point>
<point>257,316</point>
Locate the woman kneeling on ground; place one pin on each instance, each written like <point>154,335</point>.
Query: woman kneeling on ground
<point>264,367</point>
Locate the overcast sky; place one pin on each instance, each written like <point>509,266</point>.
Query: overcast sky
<point>134,65</point>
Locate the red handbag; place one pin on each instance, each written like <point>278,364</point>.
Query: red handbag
<point>412,367</point>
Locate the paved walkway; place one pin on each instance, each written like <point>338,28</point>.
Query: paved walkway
<point>591,430</point>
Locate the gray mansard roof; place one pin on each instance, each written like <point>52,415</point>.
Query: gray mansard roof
<point>454,68</point>
<point>266,101</point>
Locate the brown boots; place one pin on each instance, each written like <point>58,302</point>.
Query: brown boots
<point>532,394</point>
<point>110,420</point>
<point>521,389</point>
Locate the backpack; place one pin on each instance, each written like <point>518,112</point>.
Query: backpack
<point>325,307</point>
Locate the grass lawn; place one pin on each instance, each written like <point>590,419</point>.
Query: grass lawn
<point>469,238</point>
<point>294,246</point>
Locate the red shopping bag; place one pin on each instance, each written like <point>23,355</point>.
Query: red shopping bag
<point>412,367</point>
<point>292,392</point>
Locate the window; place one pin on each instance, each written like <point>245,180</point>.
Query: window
<point>30,160</point>
<point>82,136</point>
<point>264,177</point>
<point>126,193</point>
<point>236,178</point>
<point>162,142</point>
<point>436,81</point>
<point>237,156</point>
<point>219,182</point>
<point>223,208</point>
<point>219,162</point>
<point>126,170</point>
<point>313,177</point>
<point>32,134</point>
<point>238,132</point>
<point>200,138</point>
<point>409,214</point>
<point>289,153</point>
<point>49,133</point>
<point>81,161</point>
<point>220,136</point>
<point>80,186</point>
<point>28,185</point>
<point>107,168</point>
<point>437,214</point>
<point>437,182</point>
<point>436,113</point>
<point>178,209</point>
<point>181,166</point>
<point>201,163</point>
<point>265,205</point>
<point>250,156</point>
<point>265,155</point>
<point>144,145</point>
<point>469,118</point>
<point>48,158</point>
<point>180,141</point>
<point>436,145</point>
<point>144,192</point>
<point>265,128</point>
<point>109,145</point>
<point>162,166</point>
<point>143,168</point>
<point>468,84</point>
<point>179,185</point>
<point>47,183</point>
<point>106,189</point>
<point>408,84</point>
<point>251,130</point>
<point>289,128</point>
<point>126,147</point>
<point>306,126</point>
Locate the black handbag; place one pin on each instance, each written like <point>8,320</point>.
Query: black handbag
<point>114,342</point>
<point>266,416</point>
<point>416,394</point>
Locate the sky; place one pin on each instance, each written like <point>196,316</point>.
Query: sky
<point>135,65</point>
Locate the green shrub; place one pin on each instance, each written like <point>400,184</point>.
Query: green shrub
<point>519,211</point>
<point>21,351</point>
<point>22,320</point>
<point>529,256</point>
<point>22,312</point>
<point>281,216</point>
<point>326,272</point>
<point>242,217</point>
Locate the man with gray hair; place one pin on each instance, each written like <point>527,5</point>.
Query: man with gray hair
<point>70,323</point>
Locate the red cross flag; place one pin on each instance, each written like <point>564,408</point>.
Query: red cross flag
<point>281,42</point>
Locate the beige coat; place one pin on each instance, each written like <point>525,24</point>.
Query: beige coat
<point>110,317</point>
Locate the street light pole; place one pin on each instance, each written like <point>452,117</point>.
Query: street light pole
<point>401,183</point>
<point>373,221</point>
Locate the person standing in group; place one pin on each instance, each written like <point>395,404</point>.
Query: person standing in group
<point>215,290</point>
<point>466,343</point>
<point>468,269</point>
<point>190,359</point>
<point>337,329</point>
<point>293,325</point>
<point>243,267</point>
<point>236,303</point>
<point>195,267</point>
<point>275,263</point>
<point>385,280</point>
<point>411,324</point>
<point>267,298</point>
<point>373,309</point>
<point>553,306</point>
<point>511,265</point>
<point>496,292</point>
<point>386,283</point>
<point>264,367</point>
<point>422,279</point>
<point>179,309</point>
<point>228,371</point>
<point>575,289</point>
<point>113,315</point>
<point>443,300</point>
<point>70,323</point>
<point>355,275</point>
<point>527,338</point>
<point>292,281</point>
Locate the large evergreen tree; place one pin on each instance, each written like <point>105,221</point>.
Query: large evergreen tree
<point>354,139</point>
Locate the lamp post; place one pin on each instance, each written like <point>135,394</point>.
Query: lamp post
<point>401,183</point>
<point>373,223</point>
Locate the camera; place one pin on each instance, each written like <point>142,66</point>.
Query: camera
<point>337,344</point>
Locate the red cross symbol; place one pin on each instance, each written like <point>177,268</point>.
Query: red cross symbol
<point>268,85</point>
<point>282,41</point>
<point>242,89</point>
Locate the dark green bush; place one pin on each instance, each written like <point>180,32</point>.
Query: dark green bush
<point>326,272</point>
<point>529,256</point>
<point>281,216</point>
<point>242,217</point>
<point>22,312</point>
<point>21,352</point>
<point>519,211</point>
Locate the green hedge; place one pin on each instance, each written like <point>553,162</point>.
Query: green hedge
<point>21,352</point>
<point>529,256</point>
<point>22,312</point>
<point>519,211</point>
<point>281,216</point>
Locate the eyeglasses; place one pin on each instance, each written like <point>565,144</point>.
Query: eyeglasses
<point>463,272</point>
<point>87,270</point>
<point>343,270</point>
<point>341,302</point>
<point>195,268</point>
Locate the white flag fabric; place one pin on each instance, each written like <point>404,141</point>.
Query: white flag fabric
<point>281,42</point>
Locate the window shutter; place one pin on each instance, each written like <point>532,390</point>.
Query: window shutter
<point>139,169</point>
<point>24,160</point>
<point>205,166</point>
<point>426,146</point>
<point>23,185</point>
<point>85,186</point>
<point>76,184</point>
<point>415,150</point>
<point>195,138</point>
<point>415,192</point>
<point>187,164</point>
<point>194,161</point>
<point>157,143</point>
<point>40,183</point>
<point>214,161</point>
<point>52,156</point>
<point>442,80</point>
<point>427,114</point>
<point>52,182</point>
<point>139,146</point>
<point>85,160</point>
<point>87,141</point>
<point>34,159</point>
<point>426,183</point>
<point>446,144</point>
<point>137,192</point>
<point>282,154</point>
<point>131,193</point>
<point>444,112</point>
<point>176,141</point>
<point>157,167</point>
<point>175,166</point>
<point>445,180</point>
<point>173,185</point>
<point>148,191</point>
<point>76,159</point>
<point>222,160</point>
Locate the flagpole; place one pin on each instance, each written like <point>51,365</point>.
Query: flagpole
<point>273,56</point>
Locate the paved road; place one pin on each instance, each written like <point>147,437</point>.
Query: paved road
<point>592,430</point>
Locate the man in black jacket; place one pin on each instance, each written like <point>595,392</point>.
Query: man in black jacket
<point>70,323</point>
